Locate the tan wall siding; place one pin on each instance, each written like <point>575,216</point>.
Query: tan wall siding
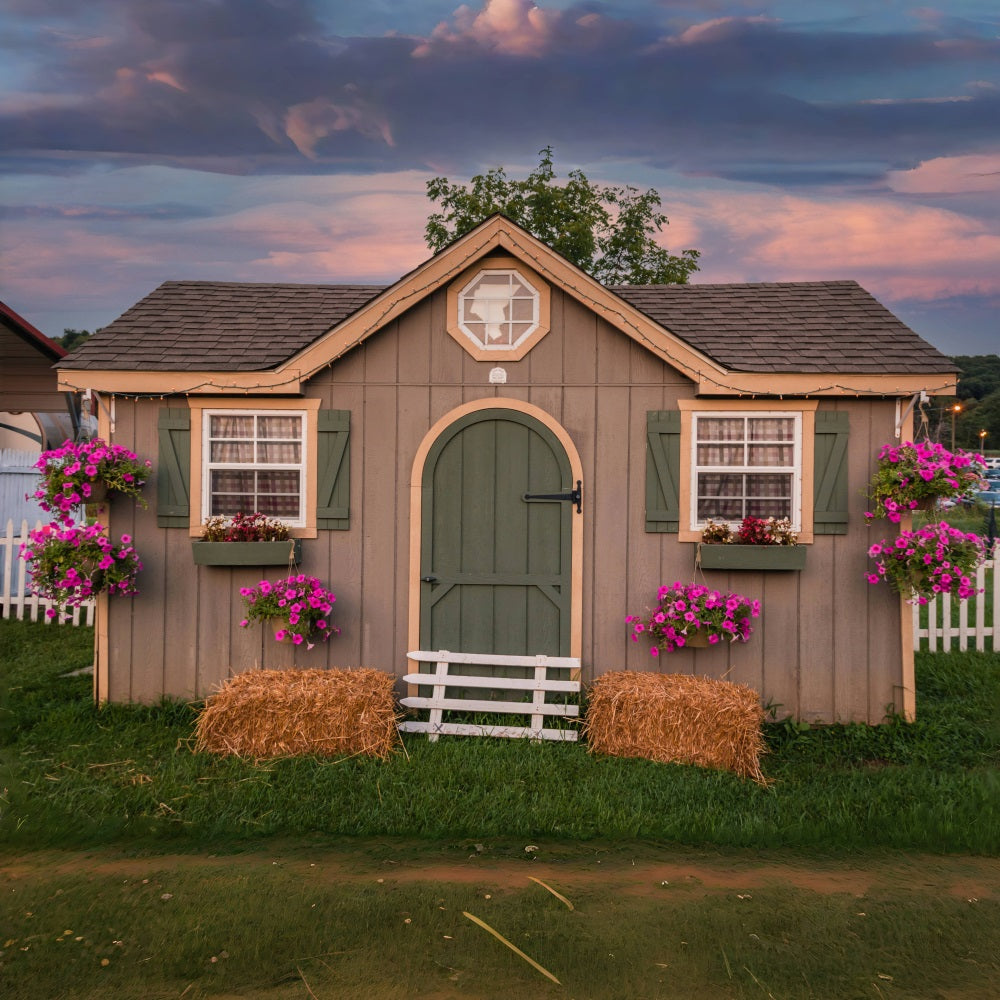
<point>29,380</point>
<point>827,646</point>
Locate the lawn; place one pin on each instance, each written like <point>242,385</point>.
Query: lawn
<point>131,866</point>
<point>77,775</point>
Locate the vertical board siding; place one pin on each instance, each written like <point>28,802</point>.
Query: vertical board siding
<point>827,647</point>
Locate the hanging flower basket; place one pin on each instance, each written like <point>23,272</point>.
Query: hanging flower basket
<point>935,559</point>
<point>87,472</point>
<point>70,565</point>
<point>297,609</point>
<point>693,615</point>
<point>914,475</point>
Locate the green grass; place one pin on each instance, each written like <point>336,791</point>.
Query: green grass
<point>75,775</point>
<point>273,928</point>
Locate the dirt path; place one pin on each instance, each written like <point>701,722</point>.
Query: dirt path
<point>638,870</point>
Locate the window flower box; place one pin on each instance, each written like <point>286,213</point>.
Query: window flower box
<point>753,557</point>
<point>247,553</point>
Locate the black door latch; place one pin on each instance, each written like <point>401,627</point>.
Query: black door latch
<point>574,496</point>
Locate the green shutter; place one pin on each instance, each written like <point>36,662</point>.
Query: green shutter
<point>173,479</point>
<point>830,473</point>
<point>663,461</point>
<point>334,470</point>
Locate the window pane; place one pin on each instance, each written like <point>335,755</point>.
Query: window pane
<point>283,453</point>
<point>721,429</point>
<point>279,427</point>
<point>720,454</point>
<point>523,310</point>
<point>231,427</point>
<point>232,451</point>
<point>720,509</point>
<point>232,481</point>
<point>719,484</point>
<point>765,484</point>
<point>769,508</point>
<point>275,481</point>
<point>232,503</point>
<point>772,454</point>
<point>772,429</point>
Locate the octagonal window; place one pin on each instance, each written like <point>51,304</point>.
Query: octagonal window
<point>498,309</point>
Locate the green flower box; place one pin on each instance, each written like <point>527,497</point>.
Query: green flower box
<point>767,557</point>
<point>246,553</point>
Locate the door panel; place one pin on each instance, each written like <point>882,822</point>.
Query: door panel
<point>500,565</point>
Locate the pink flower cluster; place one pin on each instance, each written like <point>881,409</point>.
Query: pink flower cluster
<point>70,564</point>
<point>70,473</point>
<point>301,602</point>
<point>913,472</point>
<point>683,609</point>
<point>935,559</point>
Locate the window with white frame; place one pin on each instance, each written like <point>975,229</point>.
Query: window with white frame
<point>746,466</point>
<point>498,309</point>
<point>255,462</point>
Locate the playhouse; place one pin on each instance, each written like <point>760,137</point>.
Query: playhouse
<point>499,455</point>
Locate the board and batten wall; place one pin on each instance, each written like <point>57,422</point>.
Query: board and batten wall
<point>827,647</point>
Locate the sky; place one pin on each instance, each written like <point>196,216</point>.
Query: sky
<point>291,140</point>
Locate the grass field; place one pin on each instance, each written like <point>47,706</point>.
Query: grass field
<point>77,775</point>
<point>132,867</point>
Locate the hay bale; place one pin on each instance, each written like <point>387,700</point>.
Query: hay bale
<point>280,713</point>
<point>677,718</point>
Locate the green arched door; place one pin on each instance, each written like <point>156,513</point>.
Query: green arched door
<point>496,568</point>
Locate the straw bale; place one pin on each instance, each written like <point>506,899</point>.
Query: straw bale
<point>279,713</point>
<point>677,718</point>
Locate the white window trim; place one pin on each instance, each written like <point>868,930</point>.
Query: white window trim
<point>795,468</point>
<point>303,465</point>
<point>511,273</point>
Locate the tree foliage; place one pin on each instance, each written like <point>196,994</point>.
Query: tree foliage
<point>608,231</point>
<point>71,339</point>
<point>978,394</point>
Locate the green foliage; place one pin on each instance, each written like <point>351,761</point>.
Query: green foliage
<point>72,339</point>
<point>608,231</point>
<point>978,393</point>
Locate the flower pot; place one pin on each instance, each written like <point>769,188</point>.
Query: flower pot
<point>247,553</point>
<point>753,557</point>
<point>697,639</point>
<point>98,493</point>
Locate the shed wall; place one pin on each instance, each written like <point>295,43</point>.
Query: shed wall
<point>828,646</point>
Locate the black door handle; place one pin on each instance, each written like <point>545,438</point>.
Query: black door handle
<point>428,579</point>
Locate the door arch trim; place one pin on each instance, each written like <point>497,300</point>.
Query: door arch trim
<point>416,505</point>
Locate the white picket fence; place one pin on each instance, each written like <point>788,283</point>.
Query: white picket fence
<point>537,685</point>
<point>16,598</point>
<point>942,633</point>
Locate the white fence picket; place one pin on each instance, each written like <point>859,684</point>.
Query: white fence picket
<point>16,598</point>
<point>940,634</point>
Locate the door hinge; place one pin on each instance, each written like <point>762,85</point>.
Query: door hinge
<point>573,496</point>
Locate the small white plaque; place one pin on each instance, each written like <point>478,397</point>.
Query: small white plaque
<point>498,375</point>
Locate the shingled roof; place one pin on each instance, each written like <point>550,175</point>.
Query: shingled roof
<point>803,326</point>
<point>824,326</point>
<point>219,326</point>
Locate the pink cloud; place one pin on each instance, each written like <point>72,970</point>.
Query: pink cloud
<point>306,124</point>
<point>897,251</point>
<point>511,27</point>
<point>949,175</point>
<point>717,29</point>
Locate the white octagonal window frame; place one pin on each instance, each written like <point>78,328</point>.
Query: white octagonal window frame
<point>504,325</point>
<point>498,309</point>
